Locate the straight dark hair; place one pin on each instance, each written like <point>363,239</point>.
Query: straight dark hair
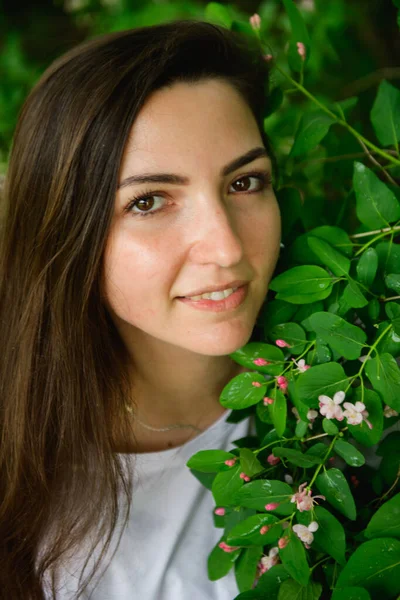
<point>64,369</point>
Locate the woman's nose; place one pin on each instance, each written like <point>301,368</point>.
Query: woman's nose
<point>215,238</point>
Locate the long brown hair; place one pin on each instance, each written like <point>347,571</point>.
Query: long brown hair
<point>64,369</point>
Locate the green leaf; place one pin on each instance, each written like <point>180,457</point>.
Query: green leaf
<point>205,479</point>
<point>247,533</point>
<point>353,295</point>
<point>349,453</point>
<point>294,559</point>
<point>241,393</point>
<point>377,206</point>
<point>317,449</point>
<point>385,114</point>
<point>225,485</point>
<point>301,429</point>
<point>217,13</point>
<point>277,312</point>
<point>331,258</point>
<point>210,461</point>
<point>313,127</point>
<point>350,593</point>
<point>362,433</point>
<point>386,520</point>
<point>344,106</point>
<point>367,267</point>
<point>292,333</point>
<point>324,379</point>
<point>340,335</point>
<point>305,280</point>
<point>329,427</point>
<point>257,494</point>
<point>393,282</point>
<point>292,590</point>
<point>249,463</point>
<point>389,449</point>
<point>299,34</point>
<point>333,485</point>
<point>335,236</point>
<point>250,352</point>
<point>393,312</point>
<point>374,309</point>
<point>246,567</point>
<point>374,565</point>
<point>220,563</point>
<point>278,411</point>
<point>271,581</point>
<point>275,100</point>
<point>296,458</point>
<point>330,535</point>
<point>235,516</point>
<point>389,257</point>
<point>300,252</point>
<point>384,374</point>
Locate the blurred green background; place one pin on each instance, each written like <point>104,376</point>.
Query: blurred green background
<point>355,44</point>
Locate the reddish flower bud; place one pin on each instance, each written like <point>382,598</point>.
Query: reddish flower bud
<point>271,506</point>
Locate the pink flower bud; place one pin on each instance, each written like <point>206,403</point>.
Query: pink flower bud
<point>282,383</point>
<point>244,476</point>
<point>256,384</point>
<point>301,49</point>
<point>271,506</point>
<point>268,57</point>
<point>261,362</point>
<point>282,344</point>
<point>264,529</point>
<point>282,542</point>
<point>219,511</point>
<point>230,462</point>
<point>224,546</point>
<point>273,460</point>
<point>255,21</point>
<point>267,401</point>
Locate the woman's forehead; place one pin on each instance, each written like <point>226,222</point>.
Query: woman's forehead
<point>193,121</point>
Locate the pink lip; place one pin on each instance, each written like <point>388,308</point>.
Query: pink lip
<point>229,303</point>
<point>215,288</point>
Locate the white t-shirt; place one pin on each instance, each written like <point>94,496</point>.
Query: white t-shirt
<point>164,549</point>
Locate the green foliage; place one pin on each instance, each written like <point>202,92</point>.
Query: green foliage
<point>335,301</point>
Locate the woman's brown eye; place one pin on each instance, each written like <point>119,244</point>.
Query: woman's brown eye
<point>240,185</point>
<point>145,203</point>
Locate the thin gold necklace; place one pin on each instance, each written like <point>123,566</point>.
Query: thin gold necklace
<point>170,428</point>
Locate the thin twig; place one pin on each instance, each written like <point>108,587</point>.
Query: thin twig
<point>377,164</point>
<point>367,233</point>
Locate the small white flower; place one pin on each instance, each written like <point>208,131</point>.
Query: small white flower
<point>353,412</point>
<point>364,358</point>
<point>356,413</point>
<point>267,562</point>
<point>311,416</point>
<point>296,414</point>
<point>301,365</point>
<point>313,526</point>
<point>389,412</point>
<point>305,534</point>
<point>329,407</point>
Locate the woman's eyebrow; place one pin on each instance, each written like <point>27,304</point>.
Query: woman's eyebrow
<point>241,161</point>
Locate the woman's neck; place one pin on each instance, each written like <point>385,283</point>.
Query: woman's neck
<point>176,388</point>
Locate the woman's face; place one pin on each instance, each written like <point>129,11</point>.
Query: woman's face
<point>209,222</point>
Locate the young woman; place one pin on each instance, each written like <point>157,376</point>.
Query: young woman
<point>140,234</point>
